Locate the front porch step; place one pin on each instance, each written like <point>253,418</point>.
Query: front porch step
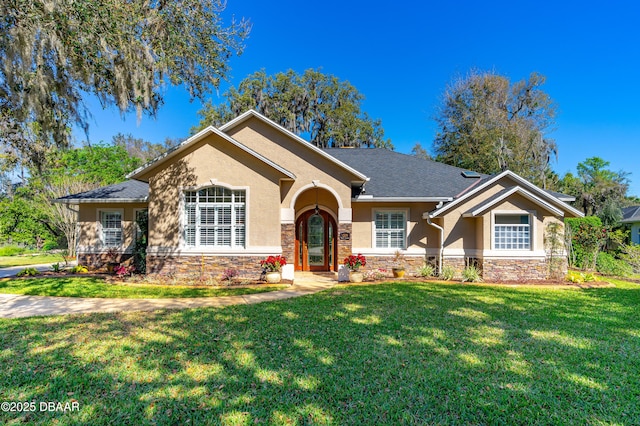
<point>321,277</point>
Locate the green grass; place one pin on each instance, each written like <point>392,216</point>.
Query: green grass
<point>78,286</point>
<point>28,259</point>
<point>397,353</point>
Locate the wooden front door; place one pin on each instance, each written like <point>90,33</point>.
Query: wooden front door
<point>315,242</point>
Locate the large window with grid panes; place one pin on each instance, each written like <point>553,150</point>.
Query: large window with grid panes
<point>215,217</point>
<point>390,229</point>
<point>512,232</point>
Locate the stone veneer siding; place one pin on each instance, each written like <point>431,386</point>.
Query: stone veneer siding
<point>100,260</point>
<point>411,264</point>
<point>457,263</point>
<point>344,246</point>
<point>495,270</point>
<point>288,241</point>
<point>248,267</point>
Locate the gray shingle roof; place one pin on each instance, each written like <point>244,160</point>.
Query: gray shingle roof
<point>631,214</point>
<point>394,174</point>
<point>127,191</point>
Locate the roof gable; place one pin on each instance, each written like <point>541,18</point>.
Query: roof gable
<point>505,194</point>
<point>256,115</point>
<point>139,172</point>
<point>525,184</point>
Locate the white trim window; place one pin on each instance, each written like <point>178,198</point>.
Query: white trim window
<point>215,217</point>
<point>390,229</point>
<point>111,228</point>
<point>512,232</point>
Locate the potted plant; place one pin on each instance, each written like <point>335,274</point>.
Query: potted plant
<point>272,265</point>
<point>398,264</point>
<point>353,263</point>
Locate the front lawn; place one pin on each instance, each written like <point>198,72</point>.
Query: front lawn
<point>396,353</point>
<point>30,259</point>
<point>78,286</point>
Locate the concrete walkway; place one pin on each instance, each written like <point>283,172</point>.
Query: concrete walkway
<point>18,306</point>
<point>11,271</point>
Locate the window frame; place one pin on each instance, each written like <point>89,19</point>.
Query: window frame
<point>405,230</point>
<point>233,226</point>
<point>101,227</point>
<point>531,225</point>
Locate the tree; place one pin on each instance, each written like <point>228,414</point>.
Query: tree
<point>420,152</point>
<point>141,149</point>
<point>52,54</point>
<point>489,125</point>
<point>317,105</point>
<point>79,170</point>
<point>23,221</point>
<point>598,190</point>
<point>30,217</point>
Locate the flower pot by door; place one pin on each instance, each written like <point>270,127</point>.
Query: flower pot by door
<point>273,277</point>
<point>356,276</point>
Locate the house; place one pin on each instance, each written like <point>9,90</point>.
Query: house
<point>631,216</point>
<point>229,196</point>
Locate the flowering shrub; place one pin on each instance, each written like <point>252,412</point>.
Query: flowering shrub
<point>229,274</point>
<point>273,263</point>
<point>375,275</point>
<point>354,262</point>
<point>122,270</point>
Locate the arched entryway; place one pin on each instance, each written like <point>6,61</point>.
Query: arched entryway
<point>316,248</point>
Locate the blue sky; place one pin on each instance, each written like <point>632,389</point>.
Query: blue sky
<point>402,55</point>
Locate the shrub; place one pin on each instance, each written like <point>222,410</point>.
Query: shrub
<point>11,251</point>
<point>426,270</point>
<point>585,237</point>
<point>575,277</point>
<point>229,274</point>
<point>631,255</point>
<point>56,267</point>
<point>606,264</point>
<point>121,270</point>
<point>49,245</point>
<point>589,277</point>
<point>579,277</point>
<point>376,274</point>
<point>447,273</point>
<point>79,269</point>
<point>471,274</point>
<point>28,272</point>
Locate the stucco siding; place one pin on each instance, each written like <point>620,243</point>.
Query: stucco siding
<point>420,235</point>
<point>89,224</point>
<point>306,164</point>
<point>214,161</point>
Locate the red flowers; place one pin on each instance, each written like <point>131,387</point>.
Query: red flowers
<point>273,263</point>
<point>354,262</point>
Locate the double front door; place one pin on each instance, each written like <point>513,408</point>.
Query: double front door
<point>315,242</point>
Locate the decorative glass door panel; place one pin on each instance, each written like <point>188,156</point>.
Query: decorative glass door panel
<point>315,241</point>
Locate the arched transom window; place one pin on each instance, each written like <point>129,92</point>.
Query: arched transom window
<point>215,217</point>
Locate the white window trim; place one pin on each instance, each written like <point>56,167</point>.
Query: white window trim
<point>183,247</point>
<point>532,229</point>
<point>100,230</point>
<point>375,210</point>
